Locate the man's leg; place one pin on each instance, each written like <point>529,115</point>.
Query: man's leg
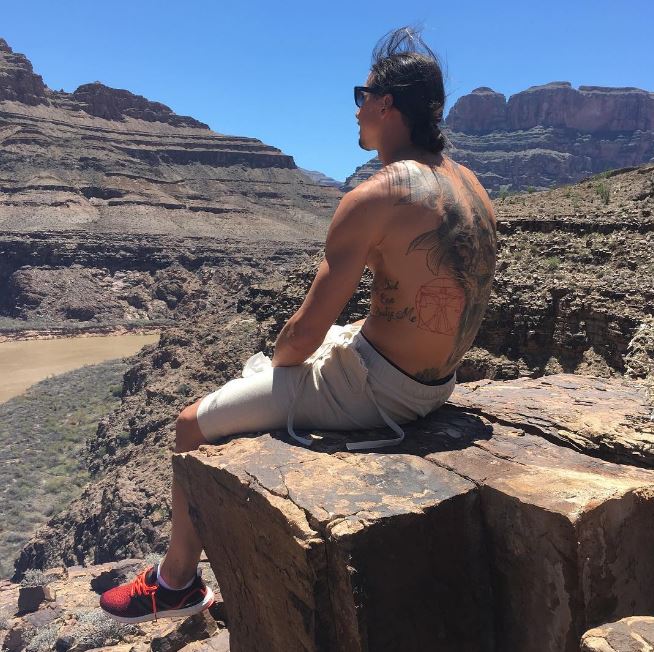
<point>181,561</point>
<point>258,402</point>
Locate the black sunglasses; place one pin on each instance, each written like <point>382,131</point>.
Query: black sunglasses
<point>360,93</point>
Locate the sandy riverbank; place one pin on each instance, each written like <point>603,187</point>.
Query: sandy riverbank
<point>26,361</point>
<point>15,335</point>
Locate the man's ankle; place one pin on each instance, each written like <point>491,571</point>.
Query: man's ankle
<point>173,584</point>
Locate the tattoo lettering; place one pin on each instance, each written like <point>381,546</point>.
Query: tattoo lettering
<point>379,285</point>
<point>389,315</point>
<point>380,295</point>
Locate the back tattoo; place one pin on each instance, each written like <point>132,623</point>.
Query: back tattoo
<point>460,252</point>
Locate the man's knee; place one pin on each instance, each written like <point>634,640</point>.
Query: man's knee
<point>188,436</point>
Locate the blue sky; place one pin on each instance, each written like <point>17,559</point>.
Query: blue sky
<point>283,71</point>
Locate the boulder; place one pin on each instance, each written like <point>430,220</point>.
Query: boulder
<point>634,634</point>
<point>607,418</point>
<point>30,598</point>
<point>362,559</point>
<point>473,535</point>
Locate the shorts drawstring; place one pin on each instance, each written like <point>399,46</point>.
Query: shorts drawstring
<point>326,347</point>
<point>378,443</point>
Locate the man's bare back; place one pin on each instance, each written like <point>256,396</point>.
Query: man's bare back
<point>433,268</point>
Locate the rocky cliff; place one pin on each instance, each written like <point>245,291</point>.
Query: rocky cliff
<point>54,279</point>
<point>590,109</point>
<point>549,542</point>
<point>545,136</point>
<point>573,294</point>
<point>105,160</point>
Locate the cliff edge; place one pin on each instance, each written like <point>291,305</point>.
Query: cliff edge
<point>476,534</point>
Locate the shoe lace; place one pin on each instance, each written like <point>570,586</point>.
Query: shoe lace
<point>141,587</point>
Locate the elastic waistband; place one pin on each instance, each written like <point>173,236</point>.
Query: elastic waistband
<point>440,381</point>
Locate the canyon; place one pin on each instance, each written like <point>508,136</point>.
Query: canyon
<point>543,462</point>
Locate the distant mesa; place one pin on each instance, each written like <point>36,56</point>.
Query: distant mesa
<point>546,135</point>
<point>322,179</point>
<point>19,83</point>
<point>589,109</point>
<point>116,104</point>
<point>482,110</point>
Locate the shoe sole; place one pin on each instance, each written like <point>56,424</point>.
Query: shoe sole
<point>168,613</point>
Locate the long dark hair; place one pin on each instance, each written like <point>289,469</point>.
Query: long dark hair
<point>404,66</point>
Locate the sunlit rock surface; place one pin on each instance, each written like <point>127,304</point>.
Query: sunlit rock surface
<point>475,533</point>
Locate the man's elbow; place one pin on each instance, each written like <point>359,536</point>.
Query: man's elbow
<point>302,336</point>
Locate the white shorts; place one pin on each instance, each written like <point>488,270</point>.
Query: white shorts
<point>345,385</point>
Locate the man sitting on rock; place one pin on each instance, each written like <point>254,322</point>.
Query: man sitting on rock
<point>426,228</point>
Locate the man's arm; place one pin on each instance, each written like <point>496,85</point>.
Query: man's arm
<point>352,232</point>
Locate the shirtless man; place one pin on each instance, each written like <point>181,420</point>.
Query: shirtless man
<point>426,228</point>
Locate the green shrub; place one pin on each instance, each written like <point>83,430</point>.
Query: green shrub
<point>15,537</point>
<point>530,189</point>
<point>552,262</point>
<point>94,629</point>
<point>56,484</point>
<point>116,390</point>
<point>44,639</point>
<point>603,191</point>
<point>35,577</point>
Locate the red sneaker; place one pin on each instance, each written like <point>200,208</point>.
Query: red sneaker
<point>143,599</point>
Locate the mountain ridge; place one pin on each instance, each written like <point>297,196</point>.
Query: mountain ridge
<point>106,160</point>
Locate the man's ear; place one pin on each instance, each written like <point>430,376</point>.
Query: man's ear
<point>387,102</point>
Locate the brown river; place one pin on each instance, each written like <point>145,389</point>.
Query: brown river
<point>25,362</point>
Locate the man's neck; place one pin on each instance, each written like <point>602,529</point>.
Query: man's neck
<point>402,152</point>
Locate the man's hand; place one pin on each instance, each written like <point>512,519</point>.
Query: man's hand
<point>353,231</point>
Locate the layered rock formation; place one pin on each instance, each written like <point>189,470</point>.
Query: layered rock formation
<point>545,136</point>
<point>54,279</point>
<point>105,160</point>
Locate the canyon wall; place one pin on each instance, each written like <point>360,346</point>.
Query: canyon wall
<point>545,136</point>
<point>105,160</point>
